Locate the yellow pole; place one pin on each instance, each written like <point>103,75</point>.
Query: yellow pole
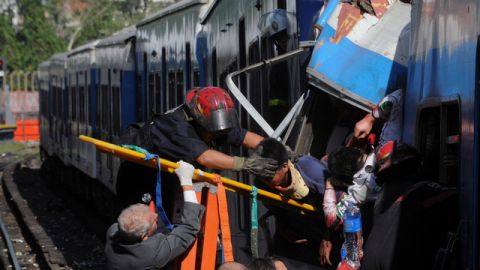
<point>200,175</point>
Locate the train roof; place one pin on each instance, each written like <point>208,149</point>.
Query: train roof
<point>44,64</point>
<point>85,47</point>
<point>204,17</point>
<point>58,57</point>
<point>170,10</point>
<point>118,38</point>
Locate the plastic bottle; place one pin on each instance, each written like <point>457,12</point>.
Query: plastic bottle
<point>352,230</point>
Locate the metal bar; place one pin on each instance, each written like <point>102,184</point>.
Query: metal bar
<point>199,175</point>
<point>292,113</point>
<point>244,101</point>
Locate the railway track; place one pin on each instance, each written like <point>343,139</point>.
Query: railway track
<point>47,229</point>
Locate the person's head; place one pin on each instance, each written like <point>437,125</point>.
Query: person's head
<point>396,160</point>
<point>343,163</point>
<point>232,266</point>
<point>213,110</point>
<point>261,264</point>
<point>136,223</point>
<point>271,148</point>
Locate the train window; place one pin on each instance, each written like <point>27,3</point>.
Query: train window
<point>81,97</point>
<point>438,141</point>
<point>214,66</point>
<point>116,110</point>
<point>196,78</point>
<point>276,85</point>
<point>74,100</point>
<point>179,89</point>
<point>138,99</point>
<point>188,64</point>
<point>242,53</point>
<point>164,76</point>
<point>158,94</point>
<point>151,93</point>
<point>99,107</point>
<point>171,89</point>
<point>86,110</point>
<point>144,88</point>
<point>255,84</point>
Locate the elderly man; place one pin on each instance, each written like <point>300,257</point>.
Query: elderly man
<point>134,243</point>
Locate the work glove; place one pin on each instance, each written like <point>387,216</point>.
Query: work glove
<point>185,173</point>
<point>257,165</point>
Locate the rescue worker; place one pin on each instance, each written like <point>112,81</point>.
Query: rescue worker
<point>134,242</point>
<point>207,119</point>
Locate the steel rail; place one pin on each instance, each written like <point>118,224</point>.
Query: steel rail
<point>11,249</point>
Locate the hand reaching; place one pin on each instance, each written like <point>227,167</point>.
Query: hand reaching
<point>185,173</point>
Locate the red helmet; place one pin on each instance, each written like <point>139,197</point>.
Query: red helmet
<point>212,108</point>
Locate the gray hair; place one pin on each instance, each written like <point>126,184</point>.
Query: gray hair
<point>134,222</point>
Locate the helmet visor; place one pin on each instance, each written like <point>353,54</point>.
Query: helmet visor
<point>221,121</point>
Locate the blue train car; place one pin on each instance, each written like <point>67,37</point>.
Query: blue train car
<point>58,106</point>
<point>166,68</point>
<point>81,79</point>
<point>44,115</point>
<point>442,107</point>
<point>113,96</point>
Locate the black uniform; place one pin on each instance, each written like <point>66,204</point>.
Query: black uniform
<point>172,136</point>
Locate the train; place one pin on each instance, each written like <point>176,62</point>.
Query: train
<point>304,71</point>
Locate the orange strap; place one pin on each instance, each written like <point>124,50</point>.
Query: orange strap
<point>209,248</point>
<point>224,221</point>
<point>189,261</point>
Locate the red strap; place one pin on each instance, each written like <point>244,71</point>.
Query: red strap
<point>211,233</point>
<point>224,221</point>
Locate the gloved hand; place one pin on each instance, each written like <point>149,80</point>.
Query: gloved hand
<point>185,173</point>
<point>257,165</point>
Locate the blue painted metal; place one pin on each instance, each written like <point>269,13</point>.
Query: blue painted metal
<point>443,64</point>
<point>359,71</point>
<point>307,14</point>
<point>327,13</point>
<point>201,52</point>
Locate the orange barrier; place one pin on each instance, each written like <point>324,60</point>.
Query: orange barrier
<point>27,130</point>
<point>190,258</point>
<point>210,228</point>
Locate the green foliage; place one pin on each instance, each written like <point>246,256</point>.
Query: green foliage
<point>48,28</point>
<point>35,42</point>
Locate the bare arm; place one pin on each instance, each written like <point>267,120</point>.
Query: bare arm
<point>252,140</point>
<point>215,160</point>
<point>364,126</point>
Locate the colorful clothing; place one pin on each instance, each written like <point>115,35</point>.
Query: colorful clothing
<point>390,109</point>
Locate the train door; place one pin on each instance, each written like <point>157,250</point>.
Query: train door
<point>438,139</point>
